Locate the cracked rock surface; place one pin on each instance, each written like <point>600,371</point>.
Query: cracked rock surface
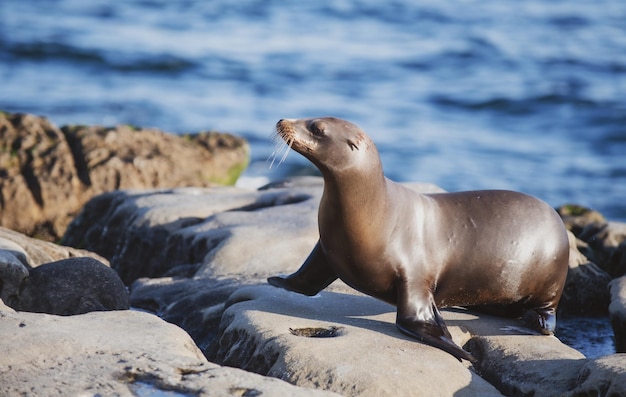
<point>119,353</point>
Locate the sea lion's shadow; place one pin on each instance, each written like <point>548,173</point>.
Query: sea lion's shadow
<point>365,312</point>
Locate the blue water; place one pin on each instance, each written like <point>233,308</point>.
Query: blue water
<point>528,95</point>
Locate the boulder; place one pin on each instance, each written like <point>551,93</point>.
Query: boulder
<point>47,173</point>
<point>609,246</point>
<point>605,241</point>
<point>121,353</point>
<point>38,276</point>
<point>71,286</point>
<point>196,305</point>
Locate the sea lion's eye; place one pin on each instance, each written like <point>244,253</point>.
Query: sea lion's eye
<point>317,128</point>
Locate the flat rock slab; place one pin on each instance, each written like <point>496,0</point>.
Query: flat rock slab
<point>368,357</point>
<point>348,343</point>
<point>122,353</point>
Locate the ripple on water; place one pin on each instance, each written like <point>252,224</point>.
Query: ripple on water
<point>592,336</point>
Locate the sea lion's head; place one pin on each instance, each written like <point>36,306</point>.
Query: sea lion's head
<point>330,143</point>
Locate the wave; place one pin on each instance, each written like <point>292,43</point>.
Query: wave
<point>42,52</point>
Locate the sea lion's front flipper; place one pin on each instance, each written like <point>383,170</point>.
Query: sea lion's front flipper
<point>426,324</point>
<point>314,275</point>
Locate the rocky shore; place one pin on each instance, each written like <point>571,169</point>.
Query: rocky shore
<point>204,322</point>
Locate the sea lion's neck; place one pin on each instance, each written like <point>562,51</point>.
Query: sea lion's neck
<point>358,196</point>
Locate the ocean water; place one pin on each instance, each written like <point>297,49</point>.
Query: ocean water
<point>466,94</point>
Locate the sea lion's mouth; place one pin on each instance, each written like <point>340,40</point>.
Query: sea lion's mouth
<point>300,142</point>
<point>284,137</point>
<point>286,130</point>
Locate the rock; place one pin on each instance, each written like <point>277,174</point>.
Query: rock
<point>201,232</point>
<point>49,173</point>
<point>187,250</point>
<point>367,356</point>
<point>43,277</point>
<point>604,376</point>
<point>148,234</point>
<point>523,365</point>
<point>605,241</point>
<point>617,312</point>
<point>71,286</point>
<point>33,252</point>
<point>576,217</point>
<point>122,353</point>
<point>196,305</point>
<point>125,157</point>
<point>185,245</point>
<point>609,246</point>
<point>586,287</point>
<point>13,270</point>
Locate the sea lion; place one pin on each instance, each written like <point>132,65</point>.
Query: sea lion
<point>494,250</point>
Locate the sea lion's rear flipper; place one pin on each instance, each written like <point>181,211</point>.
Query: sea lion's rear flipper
<point>314,275</point>
<point>426,324</point>
<point>542,320</point>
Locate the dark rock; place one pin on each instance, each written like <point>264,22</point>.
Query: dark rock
<point>604,241</point>
<point>608,243</point>
<point>586,287</point>
<point>72,286</point>
<point>617,311</point>
<point>40,276</point>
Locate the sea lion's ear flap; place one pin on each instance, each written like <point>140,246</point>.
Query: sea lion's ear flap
<point>352,145</point>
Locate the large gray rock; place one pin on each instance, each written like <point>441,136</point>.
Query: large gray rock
<point>49,173</point>
<point>202,232</point>
<point>187,250</point>
<point>367,356</point>
<point>199,231</point>
<point>123,353</point>
<point>273,332</point>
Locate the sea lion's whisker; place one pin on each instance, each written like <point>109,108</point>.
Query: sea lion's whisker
<point>287,150</point>
<point>279,145</point>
